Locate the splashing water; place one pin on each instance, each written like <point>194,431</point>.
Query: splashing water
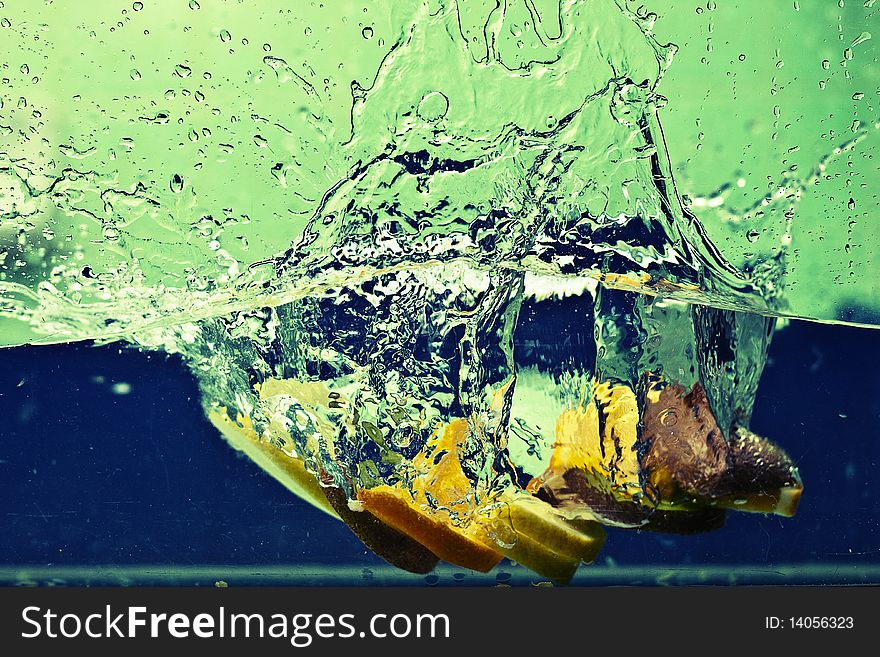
<point>429,254</point>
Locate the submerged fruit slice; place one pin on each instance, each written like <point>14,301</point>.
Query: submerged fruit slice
<point>532,533</point>
<point>442,538</point>
<point>662,463</point>
<point>761,478</point>
<point>529,516</point>
<point>393,545</point>
<point>439,509</point>
<point>689,458</point>
<point>281,465</point>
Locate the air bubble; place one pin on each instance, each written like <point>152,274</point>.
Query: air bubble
<point>176,183</point>
<point>433,106</point>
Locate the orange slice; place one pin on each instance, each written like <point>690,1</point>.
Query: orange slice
<point>442,538</point>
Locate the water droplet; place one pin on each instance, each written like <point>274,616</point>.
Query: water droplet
<point>367,32</point>
<point>137,6</point>
<point>711,6</point>
<point>193,134</point>
<point>753,235</point>
<point>194,5</point>
<point>225,36</point>
<point>851,204</point>
<point>858,95</point>
<point>742,57</point>
<point>826,64</point>
<point>182,71</point>
<point>261,141</point>
<point>267,47</point>
<point>848,54</point>
<point>24,69</point>
<point>134,74</point>
<point>4,22</point>
<point>864,36</point>
<point>199,96</point>
<point>177,183</point>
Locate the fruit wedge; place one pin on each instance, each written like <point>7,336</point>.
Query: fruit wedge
<point>518,526</point>
<point>286,468</point>
<point>532,533</point>
<point>432,530</point>
<point>401,527</point>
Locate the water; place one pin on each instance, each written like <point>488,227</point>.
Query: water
<point>104,498</point>
<point>437,267</point>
